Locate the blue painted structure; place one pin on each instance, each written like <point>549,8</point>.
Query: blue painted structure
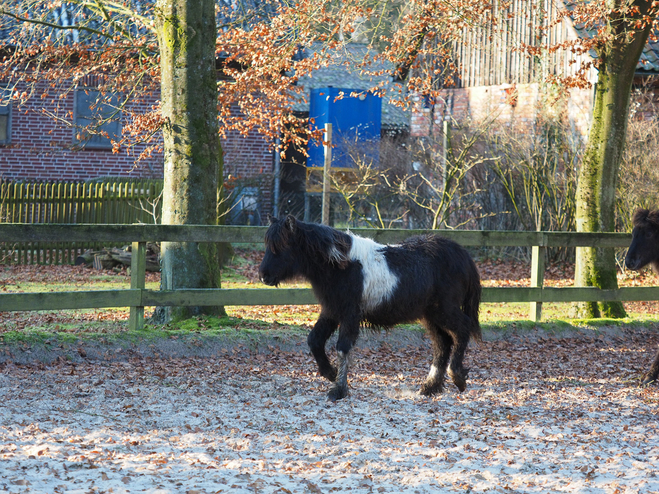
<point>353,118</point>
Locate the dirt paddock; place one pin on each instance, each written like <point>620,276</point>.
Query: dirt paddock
<point>540,415</point>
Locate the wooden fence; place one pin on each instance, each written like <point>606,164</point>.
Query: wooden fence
<point>137,297</point>
<point>106,202</point>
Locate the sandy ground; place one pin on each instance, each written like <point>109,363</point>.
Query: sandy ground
<point>540,415</point>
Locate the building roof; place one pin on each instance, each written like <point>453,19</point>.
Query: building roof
<point>648,62</point>
<point>344,72</point>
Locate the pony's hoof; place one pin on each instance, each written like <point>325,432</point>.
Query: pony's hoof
<point>460,379</point>
<point>337,393</point>
<point>329,373</point>
<point>647,380</point>
<point>429,389</point>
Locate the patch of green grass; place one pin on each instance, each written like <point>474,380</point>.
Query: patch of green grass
<point>230,272</point>
<point>213,323</point>
<point>559,327</point>
<point>228,329</point>
<point>639,320</point>
<point>230,276</point>
<point>236,331</point>
<point>36,336</point>
<point>493,312</point>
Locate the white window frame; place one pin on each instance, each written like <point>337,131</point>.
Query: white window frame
<point>5,93</point>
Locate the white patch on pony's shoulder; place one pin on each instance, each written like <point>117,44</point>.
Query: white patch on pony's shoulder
<point>379,281</point>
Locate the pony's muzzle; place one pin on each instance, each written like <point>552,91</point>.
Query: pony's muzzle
<point>268,280</point>
<point>634,263</point>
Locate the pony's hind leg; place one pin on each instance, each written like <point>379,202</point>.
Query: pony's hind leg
<point>317,339</point>
<point>456,370</point>
<point>461,335</point>
<point>442,343</point>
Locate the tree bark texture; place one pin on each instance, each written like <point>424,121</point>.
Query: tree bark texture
<point>192,153</point>
<point>596,190</point>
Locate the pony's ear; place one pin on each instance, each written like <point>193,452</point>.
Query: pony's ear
<point>271,219</point>
<point>291,223</point>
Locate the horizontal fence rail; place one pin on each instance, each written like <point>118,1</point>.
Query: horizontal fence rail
<point>285,296</point>
<point>256,234</point>
<point>137,297</point>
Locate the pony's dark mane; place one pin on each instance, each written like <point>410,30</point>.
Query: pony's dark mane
<point>278,237</point>
<point>318,241</point>
<point>644,218</point>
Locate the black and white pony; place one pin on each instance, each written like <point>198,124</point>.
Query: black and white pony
<point>644,250</point>
<point>357,280</point>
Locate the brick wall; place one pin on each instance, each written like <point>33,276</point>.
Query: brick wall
<point>516,106</point>
<point>41,149</point>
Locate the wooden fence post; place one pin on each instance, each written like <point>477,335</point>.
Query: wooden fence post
<point>326,175</point>
<point>137,281</point>
<point>537,279</point>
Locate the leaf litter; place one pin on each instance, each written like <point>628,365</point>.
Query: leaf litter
<point>550,415</point>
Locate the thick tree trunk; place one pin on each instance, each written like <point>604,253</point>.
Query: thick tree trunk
<point>192,153</point>
<point>599,171</point>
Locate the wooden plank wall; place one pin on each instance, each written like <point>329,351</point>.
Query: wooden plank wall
<point>488,53</point>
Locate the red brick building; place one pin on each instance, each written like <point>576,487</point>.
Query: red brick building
<point>36,146</point>
<point>495,80</point>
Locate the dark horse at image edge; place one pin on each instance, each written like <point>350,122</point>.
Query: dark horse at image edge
<point>644,250</point>
<point>358,281</point>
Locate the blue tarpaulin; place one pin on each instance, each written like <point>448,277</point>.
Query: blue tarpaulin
<point>356,118</point>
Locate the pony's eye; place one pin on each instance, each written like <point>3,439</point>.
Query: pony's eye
<point>649,234</point>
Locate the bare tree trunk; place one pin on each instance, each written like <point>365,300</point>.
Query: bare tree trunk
<point>599,172</point>
<point>192,153</point>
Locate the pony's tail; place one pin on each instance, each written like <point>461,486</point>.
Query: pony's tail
<point>472,301</point>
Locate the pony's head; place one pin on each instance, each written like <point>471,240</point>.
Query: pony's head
<point>644,248</point>
<point>293,248</point>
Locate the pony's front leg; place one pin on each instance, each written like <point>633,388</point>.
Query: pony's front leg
<point>317,339</point>
<point>442,344</point>
<point>340,388</point>
<point>348,334</point>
